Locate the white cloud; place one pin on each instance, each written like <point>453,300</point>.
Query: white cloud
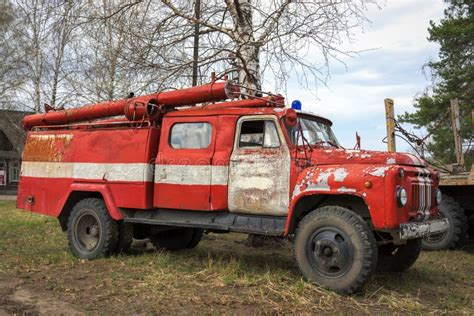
<point>353,98</point>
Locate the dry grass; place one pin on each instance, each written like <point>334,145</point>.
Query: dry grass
<point>221,275</point>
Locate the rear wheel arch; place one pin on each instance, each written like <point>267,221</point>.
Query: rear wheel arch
<point>308,203</point>
<point>73,198</point>
<point>76,195</point>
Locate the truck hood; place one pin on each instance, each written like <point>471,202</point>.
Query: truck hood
<point>341,156</point>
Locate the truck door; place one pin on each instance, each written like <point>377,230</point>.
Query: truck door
<point>259,170</point>
<point>183,170</point>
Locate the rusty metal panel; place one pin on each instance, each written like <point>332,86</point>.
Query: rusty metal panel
<point>46,146</point>
<point>259,178</point>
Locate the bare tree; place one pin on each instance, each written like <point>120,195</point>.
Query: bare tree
<point>107,53</point>
<point>62,27</point>
<point>10,69</point>
<point>99,75</point>
<point>72,52</point>
<point>249,37</point>
<point>67,53</point>
<point>43,34</point>
<point>32,33</point>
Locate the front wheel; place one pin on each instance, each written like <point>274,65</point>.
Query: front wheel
<point>92,233</point>
<point>334,247</point>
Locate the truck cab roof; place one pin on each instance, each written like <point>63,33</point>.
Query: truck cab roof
<point>279,112</point>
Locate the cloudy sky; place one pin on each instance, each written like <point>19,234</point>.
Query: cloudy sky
<point>353,98</point>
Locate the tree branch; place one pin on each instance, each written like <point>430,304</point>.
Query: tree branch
<point>177,12</point>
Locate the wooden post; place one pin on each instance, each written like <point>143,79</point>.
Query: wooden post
<point>457,131</point>
<point>390,122</point>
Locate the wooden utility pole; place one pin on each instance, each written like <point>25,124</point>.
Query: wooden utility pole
<point>390,122</point>
<point>197,15</point>
<point>455,123</point>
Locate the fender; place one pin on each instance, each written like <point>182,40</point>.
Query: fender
<point>364,181</point>
<point>103,189</point>
<point>294,201</point>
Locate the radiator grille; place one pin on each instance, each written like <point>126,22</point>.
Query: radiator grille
<point>422,198</point>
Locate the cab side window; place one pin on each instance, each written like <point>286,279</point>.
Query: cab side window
<point>259,133</point>
<point>190,135</point>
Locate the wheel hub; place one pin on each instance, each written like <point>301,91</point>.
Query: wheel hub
<point>87,231</point>
<point>331,252</point>
<point>327,251</point>
<point>94,231</point>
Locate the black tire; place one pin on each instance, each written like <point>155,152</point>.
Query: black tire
<point>177,239</point>
<point>335,248</point>
<point>141,231</point>
<point>470,226</point>
<point>125,237</point>
<point>398,258</point>
<point>92,233</point>
<point>196,238</point>
<point>457,230</point>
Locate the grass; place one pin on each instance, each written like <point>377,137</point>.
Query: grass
<point>222,275</point>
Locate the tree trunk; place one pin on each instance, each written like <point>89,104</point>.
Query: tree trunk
<point>249,67</point>
<point>56,71</point>
<point>38,58</point>
<point>247,49</point>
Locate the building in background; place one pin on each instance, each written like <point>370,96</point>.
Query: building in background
<point>12,138</point>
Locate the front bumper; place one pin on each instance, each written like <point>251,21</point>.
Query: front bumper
<point>420,230</point>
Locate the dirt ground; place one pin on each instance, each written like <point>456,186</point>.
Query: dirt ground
<point>7,197</point>
<point>38,275</point>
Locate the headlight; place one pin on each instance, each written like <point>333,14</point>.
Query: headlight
<point>402,197</point>
<point>439,196</point>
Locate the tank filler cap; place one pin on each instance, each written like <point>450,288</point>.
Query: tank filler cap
<point>232,91</point>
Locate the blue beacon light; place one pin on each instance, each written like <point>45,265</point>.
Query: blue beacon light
<point>296,105</point>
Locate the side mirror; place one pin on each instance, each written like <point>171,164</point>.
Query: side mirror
<point>291,118</point>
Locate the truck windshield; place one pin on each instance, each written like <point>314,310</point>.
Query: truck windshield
<point>316,132</point>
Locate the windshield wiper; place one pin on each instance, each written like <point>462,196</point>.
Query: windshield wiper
<point>320,142</point>
<point>333,144</point>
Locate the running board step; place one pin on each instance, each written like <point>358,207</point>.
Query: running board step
<point>223,221</point>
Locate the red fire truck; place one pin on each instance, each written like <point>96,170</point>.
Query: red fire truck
<point>172,165</point>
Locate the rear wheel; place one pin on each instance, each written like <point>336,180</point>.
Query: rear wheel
<point>92,233</point>
<point>457,230</point>
<point>398,258</point>
<point>141,231</point>
<point>125,237</point>
<point>470,226</point>
<point>177,239</point>
<point>195,239</point>
<point>334,247</point>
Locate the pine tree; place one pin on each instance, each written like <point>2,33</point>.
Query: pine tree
<point>453,77</point>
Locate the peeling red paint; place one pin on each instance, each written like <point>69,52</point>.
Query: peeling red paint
<point>380,198</point>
